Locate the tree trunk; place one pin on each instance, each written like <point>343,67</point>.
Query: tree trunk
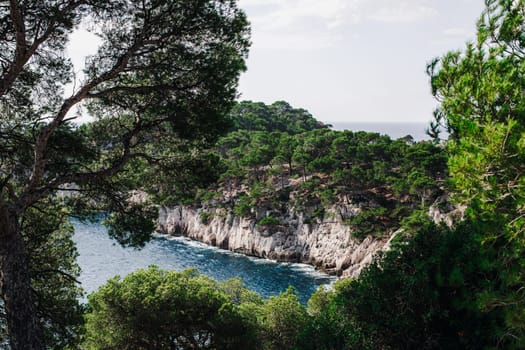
<point>24,330</point>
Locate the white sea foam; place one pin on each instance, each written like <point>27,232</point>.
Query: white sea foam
<point>297,267</point>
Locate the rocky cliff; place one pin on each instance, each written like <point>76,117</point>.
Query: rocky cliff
<point>326,244</point>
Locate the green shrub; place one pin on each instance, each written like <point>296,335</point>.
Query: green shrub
<point>155,309</point>
<point>205,196</point>
<point>283,319</point>
<point>426,293</point>
<point>327,197</point>
<point>205,216</point>
<point>243,205</point>
<point>268,221</point>
<point>283,195</point>
<point>318,213</point>
<point>370,222</point>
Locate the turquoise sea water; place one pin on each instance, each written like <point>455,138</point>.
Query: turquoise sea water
<point>101,258</point>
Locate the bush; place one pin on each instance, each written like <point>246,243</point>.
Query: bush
<point>283,318</point>
<point>370,222</point>
<point>243,205</point>
<point>327,197</point>
<point>318,213</point>
<point>155,309</point>
<point>205,217</point>
<point>268,221</point>
<point>205,196</point>
<point>426,293</point>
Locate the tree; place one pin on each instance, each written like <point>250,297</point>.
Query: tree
<point>419,295</point>
<point>53,269</point>
<point>482,105</point>
<point>161,82</point>
<point>421,185</point>
<point>279,116</point>
<point>282,319</point>
<point>259,152</point>
<point>301,155</point>
<point>155,309</point>
<point>285,150</point>
<point>329,326</point>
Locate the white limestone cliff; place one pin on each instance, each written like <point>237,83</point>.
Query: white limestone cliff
<point>327,244</point>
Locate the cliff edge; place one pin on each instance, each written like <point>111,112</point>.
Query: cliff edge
<point>327,243</point>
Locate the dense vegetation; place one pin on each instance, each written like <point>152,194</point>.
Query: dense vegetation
<point>160,83</point>
<point>442,288</point>
<point>438,288</point>
<point>277,156</point>
<point>482,103</point>
<point>155,309</point>
<point>420,295</point>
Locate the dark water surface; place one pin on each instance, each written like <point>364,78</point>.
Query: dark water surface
<point>101,258</point>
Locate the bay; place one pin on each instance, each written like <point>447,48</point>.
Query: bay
<point>101,258</point>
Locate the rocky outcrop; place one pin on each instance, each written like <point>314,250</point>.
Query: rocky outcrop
<point>326,244</point>
<point>444,211</point>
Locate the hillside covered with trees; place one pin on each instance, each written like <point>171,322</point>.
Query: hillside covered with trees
<point>160,88</point>
<point>440,288</point>
<point>277,156</point>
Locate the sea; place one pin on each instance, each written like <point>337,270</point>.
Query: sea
<point>101,258</point>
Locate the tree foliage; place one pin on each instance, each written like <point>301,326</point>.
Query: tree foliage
<point>261,160</point>
<point>158,87</point>
<point>283,318</point>
<point>279,116</point>
<point>482,104</point>
<point>154,309</point>
<point>54,272</point>
<point>419,295</point>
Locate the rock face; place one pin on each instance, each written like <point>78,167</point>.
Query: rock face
<point>326,244</point>
<point>443,211</point>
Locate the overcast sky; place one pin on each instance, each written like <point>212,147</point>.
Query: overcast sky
<point>353,60</point>
<point>345,60</point>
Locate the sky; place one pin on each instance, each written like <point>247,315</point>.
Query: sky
<point>344,60</point>
<point>353,60</point>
